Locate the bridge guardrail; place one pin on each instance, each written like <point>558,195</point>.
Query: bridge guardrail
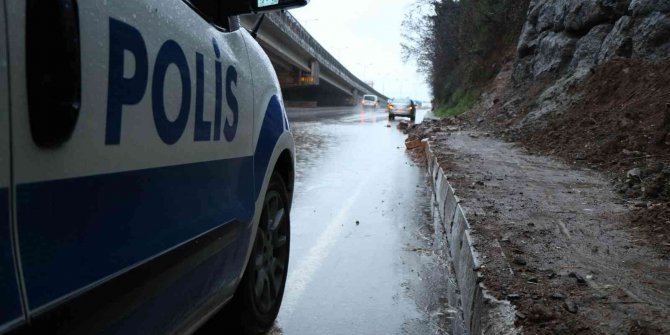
<point>290,26</point>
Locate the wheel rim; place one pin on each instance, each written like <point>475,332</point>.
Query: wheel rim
<point>271,252</point>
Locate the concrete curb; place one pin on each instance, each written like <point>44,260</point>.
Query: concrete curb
<point>479,312</point>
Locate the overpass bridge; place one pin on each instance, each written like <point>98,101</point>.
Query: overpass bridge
<point>308,74</point>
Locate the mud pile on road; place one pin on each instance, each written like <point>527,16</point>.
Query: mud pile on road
<point>418,135</point>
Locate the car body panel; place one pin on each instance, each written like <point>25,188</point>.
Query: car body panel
<point>10,306</point>
<point>272,132</point>
<point>129,198</point>
<point>273,126</point>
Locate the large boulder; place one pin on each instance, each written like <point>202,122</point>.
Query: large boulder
<point>584,14</point>
<point>616,8</point>
<point>551,14</point>
<point>542,16</point>
<point>522,70</point>
<point>651,36</point>
<point>553,53</point>
<point>534,7</point>
<point>618,42</point>
<point>555,99</point>
<point>588,47</point>
<point>644,7</point>
<point>527,40</point>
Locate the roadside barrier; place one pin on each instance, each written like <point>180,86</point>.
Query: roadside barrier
<point>478,312</point>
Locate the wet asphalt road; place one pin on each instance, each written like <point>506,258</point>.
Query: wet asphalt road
<point>361,259</point>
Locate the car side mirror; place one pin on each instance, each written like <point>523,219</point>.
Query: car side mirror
<point>258,6</point>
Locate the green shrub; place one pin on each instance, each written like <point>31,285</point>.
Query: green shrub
<point>460,102</point>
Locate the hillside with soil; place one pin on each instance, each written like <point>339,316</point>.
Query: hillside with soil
<point>601,100</point>
<point>587,89</point>
<point>553,240</point>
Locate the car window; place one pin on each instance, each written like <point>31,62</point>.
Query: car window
<point>369,97</point>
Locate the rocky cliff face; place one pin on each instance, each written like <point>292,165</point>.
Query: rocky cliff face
<point>573,36</point>
<point>567,39</point>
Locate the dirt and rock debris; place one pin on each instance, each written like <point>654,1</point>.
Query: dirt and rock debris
<point>571,218</point>
<point>563,168</point>
<point>619,125</point>
<point>555,240</point>
<point>571,214</point>
<point>570,211</point>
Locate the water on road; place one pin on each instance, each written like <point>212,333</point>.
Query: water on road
<point>361,255</point>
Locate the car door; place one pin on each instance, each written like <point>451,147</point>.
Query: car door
<point>10,306</point>
<point>134,196</point>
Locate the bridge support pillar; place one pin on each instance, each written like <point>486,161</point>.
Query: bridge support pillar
<point>315,71</point>
<point>356,96</point>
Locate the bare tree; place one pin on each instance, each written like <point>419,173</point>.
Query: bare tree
<point>451,40</point>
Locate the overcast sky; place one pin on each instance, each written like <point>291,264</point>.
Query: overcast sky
<point>364,35</point>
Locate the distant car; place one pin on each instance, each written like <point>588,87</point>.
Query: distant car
<point>370,101</point>
<point>401,107</point>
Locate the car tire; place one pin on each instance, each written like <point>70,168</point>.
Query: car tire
<point>255,305</point>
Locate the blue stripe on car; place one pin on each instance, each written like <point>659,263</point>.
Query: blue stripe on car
<point>74,232</point>
<point>206,279</point>
<point>271,130</point>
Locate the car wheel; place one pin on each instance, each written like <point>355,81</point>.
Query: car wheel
<point>259,295</point>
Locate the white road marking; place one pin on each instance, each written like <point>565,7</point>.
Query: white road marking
<point>301,276</point>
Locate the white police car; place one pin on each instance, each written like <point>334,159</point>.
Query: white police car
<point>146,167</point>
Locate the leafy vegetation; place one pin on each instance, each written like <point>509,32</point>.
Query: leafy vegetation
<point>457,42</point>
<point>460,102</point>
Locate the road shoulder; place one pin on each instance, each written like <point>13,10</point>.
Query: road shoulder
<point>552,240</point>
